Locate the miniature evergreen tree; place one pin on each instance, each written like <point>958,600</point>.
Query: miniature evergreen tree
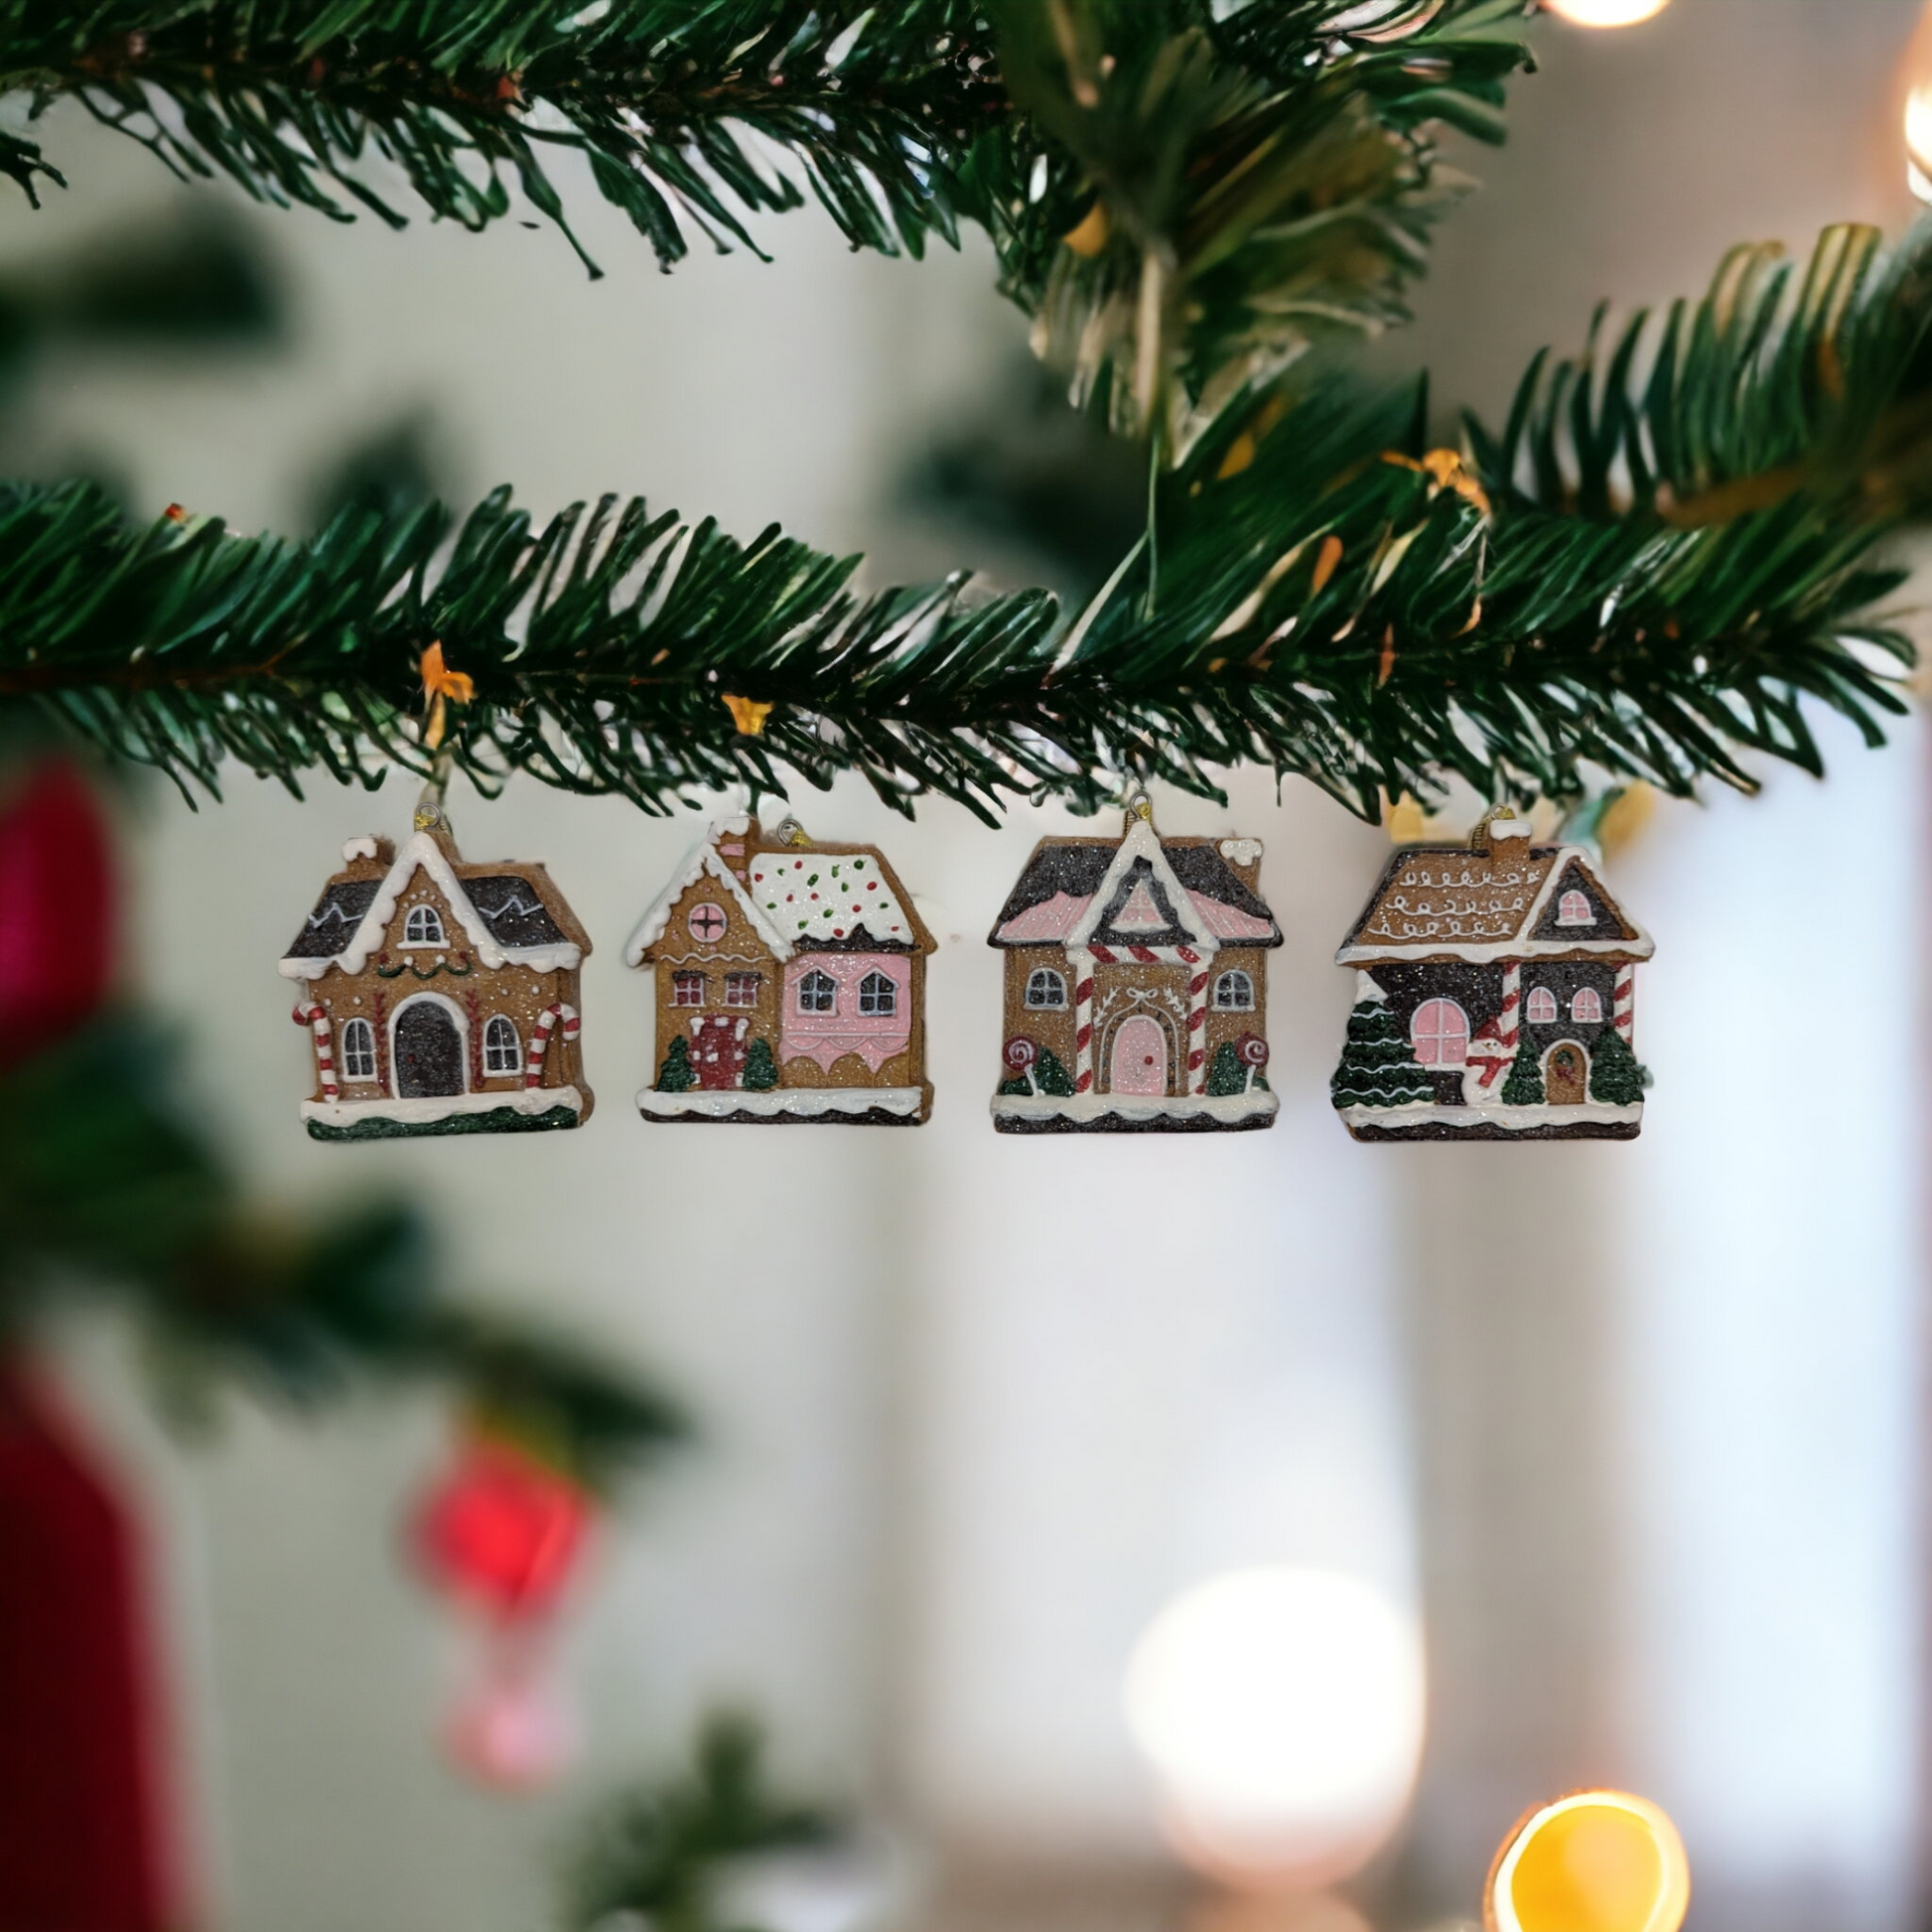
<point>1616,1078</point>
<point>676,1074</point>
<point>761,1069</point>
<point>1524,1085</point>
<point>1226,1077</point>
<point>1377,1068</point>
<point>1050,1077</point>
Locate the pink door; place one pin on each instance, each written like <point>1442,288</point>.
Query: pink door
<point>1140,1059</point>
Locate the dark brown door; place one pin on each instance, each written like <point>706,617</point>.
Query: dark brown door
<point>429,1053</point>
<point>1567,1082</point>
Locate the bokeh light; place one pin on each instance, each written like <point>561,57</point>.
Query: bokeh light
<point>1607,13</point>
<point>1282,1713</point>
<point>1593,1862</point>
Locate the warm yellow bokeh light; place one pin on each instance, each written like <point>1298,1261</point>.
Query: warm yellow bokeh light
<point>1607,13</point>
<point>1918,110</point>
<point>1593,1862</point>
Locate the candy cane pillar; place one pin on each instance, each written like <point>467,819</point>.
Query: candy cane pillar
<point>1509,1022</point>
<point>1196,1017</point>
<point>1082,963</point>
<point>540,1040</point>
<point>317,1021</point>
<point>1626,1001</point>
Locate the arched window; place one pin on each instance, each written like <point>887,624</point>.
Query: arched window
<point>1234,993</point>
<point>818,993</point>
<point>878,996</point>
<point>423,927</point>
<point>1588,1005</point>
<point>1441,1034</point>
<point>1573,908</point>
<point>359,1050</point>
<point>1045,988</point>
<point>1540,1009</point>
<point>502,1051</point>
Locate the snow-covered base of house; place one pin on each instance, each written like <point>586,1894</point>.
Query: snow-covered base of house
<point>1589,1122</point>
<point>1113,1113</point>
<point>536,1110</point>
<point>790,1106</point>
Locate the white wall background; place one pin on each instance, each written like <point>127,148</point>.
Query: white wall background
<point>1658,1501</point>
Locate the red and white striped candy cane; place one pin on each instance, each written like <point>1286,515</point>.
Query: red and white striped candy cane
<point>1626,1001</point>
<point>317,1021</point>
<point>540,1038</point>
<point>1082,964</point>
<point>1196,1019</point>
<point>1509,1022</point>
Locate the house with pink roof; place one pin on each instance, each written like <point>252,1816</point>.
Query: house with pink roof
<point>1136,986</point>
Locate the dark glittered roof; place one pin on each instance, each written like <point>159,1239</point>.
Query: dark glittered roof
<point>338,911</point>
<point>513,910</point>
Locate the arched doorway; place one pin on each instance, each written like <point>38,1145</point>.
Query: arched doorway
<point>1139,1061</point>
<point>429,1052</point>
<point>1565,1075</point>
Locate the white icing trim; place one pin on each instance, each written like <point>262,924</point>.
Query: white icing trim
<point>1141,841</point>
<point>1230,1107</point>
<point>1241,851</point>
<point>434,1107</point>
<point>802,1103</point>
<point>362,848</point>
<point>423,852</point>
<point>702,860</point>
<point>1516,1119</point>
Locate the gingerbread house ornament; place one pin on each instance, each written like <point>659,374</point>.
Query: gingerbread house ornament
<point>1136,986</point>
<point>789,978</point>
<point>440,997</point>
<point>1496,998</point>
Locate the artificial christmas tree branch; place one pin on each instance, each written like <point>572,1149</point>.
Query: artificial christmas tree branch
<point>1331,597</point>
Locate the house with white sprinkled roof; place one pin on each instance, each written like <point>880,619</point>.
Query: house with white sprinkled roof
<point>790,984</point>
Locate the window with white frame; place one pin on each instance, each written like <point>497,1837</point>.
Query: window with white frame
<point>878,996</point>
<point>687,988</point>
<point>1542,1008</point>
<point>1440,1034</point>
<point>423,927</point>
<point>818,993</point>
<point>1588,1005</point>
<point>1573,908</point>
<point>740,989</point>
<point>1234,993</point>
<point>502,1051</point>
<point>359,1050</point>
<point>1045,988</point>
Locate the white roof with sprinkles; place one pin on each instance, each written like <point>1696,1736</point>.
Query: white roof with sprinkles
<point>811,896</point>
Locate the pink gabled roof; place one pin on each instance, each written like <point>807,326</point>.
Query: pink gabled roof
<point>1043,925</point>
<point>1226,921</point>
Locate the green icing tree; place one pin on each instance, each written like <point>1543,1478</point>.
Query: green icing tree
<point>675,1075</point>
<point>761,1069</point>
<point>1524,1086</point>
<point>1015,1088</point>
<point>1050,1077</point>
<point>1616,1078</point>
<point>1377,1068</point>
<point>1226,1077</point>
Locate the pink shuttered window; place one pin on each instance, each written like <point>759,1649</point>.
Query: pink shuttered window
<point>1573,908</point>
<point>1588,1005</point>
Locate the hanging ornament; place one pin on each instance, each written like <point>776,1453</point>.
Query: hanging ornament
<point>1496,998</point>
<point>83,1811</point>
<point>505,1533</point>
<point>1591,1862</point>
<point>442,997</point>
<point>1136,986</point>
<point>56,884</point>
<point>791,982</point>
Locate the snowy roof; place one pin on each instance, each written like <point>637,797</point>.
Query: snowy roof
<point>1154,890</point>
<point>803,898</point>
<point>1481,905</point>
<point>510,916</point>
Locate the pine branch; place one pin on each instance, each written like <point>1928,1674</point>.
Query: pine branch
<point>681,110</point>
<point>1328,597</point>
<point>106,1182</point>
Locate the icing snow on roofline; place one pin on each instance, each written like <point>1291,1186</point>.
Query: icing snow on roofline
<point>702,860</point>
<point>1517,945</point>
<point>421,852</point>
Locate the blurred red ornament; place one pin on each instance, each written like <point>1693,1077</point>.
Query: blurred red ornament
<point>511,1727</point>
<point>58,911</point>
<point>503,1530</point>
